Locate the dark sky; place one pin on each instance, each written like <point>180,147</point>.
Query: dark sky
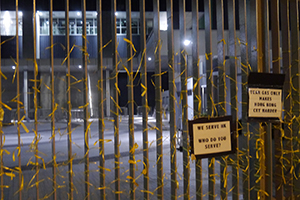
<point>59,5</point>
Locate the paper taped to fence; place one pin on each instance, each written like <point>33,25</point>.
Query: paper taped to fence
<point>265,103</point>
<point>211,137</point>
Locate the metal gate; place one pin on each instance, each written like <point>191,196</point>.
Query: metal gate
<point>106,154</point>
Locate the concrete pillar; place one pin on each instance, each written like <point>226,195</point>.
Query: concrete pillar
<point>25,92</point>
<point>27,54</point>
<point>38,37</point>
<point>45,94</point>
<point>60,94</point>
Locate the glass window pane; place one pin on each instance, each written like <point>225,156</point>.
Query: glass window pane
<point>123,22</point>
<point>61,30</point>
<point>79,30</point>
<point>44,26</point>
<point>61,22</point>
<point>72,26</point>
<point>79,22</point>
<point>89,22</point>
<point>134,31</point>
<point>134,23</point>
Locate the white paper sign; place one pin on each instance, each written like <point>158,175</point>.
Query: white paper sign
<point>213,137</point>
<point>266,103</point>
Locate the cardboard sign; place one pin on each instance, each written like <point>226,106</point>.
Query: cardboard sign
<point>265,96</point>
<point>265,103</point>
<point>211,137</point>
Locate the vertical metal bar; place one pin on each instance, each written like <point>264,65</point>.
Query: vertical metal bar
<point>256,65</point>
<point>115,98</point>
<point>222,82</point>
<point>286,62</point>
<point>101,100</point>
<point>85,102</point>
<point>253,66</point>
<point>130,99</point>
<point>35,99</point>
<point>18,97</point>
<point>1,127</point>
<point>257,56</point>
<point>172,98</point>
<point>221,58</point>
<point>265,40</point>
<point>233,91</point>
<point>69,104</point>
<point>266,155</point>
<point>196,60</point>
<point>197,95</point>
<point>144,97</point>
<point>244,65</point>
<point>209,88</point>
<point>184,73</point>
<point>294,17</point>
<point>208,53</point>
<point>158,100</point>
<point>54,164</point>
<point>277,131</point>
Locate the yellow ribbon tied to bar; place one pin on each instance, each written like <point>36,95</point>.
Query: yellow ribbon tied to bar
<point>1,114</point>
<point>23,125</point>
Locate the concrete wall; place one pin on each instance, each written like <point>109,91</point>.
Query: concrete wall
<point>59,94</point>
<point>9,89</point>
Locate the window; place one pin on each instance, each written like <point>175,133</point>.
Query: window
<point>122,29</point>
<point>135,26</point>
<point>72,26</point>
<point>8,24</point>
<point>149,26</point>
<point>78,26</point>
<point>75,26</point>
<point>61,26</point>
<point>44,26</point>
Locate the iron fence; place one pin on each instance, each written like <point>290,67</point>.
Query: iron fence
<point>128,158</point>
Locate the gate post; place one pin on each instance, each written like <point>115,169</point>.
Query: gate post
<point>286,62</point>
<point>295,80</point>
